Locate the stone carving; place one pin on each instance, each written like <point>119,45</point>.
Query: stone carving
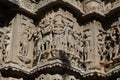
<point>112,43</point>
<point>58,36</point>
<point>27,5</point>
<point>37,45</point>
<point>115,33</point>
<point>109,49</point>
<point>27,36</point>
<point>101,44</point>
<point>24,43</point>
<point>86,44</point>
<point>2,46</point>
<point>46,25</point>
<point>93,6</point>
<point>70,43</point>
<point>56,77</point>
<point>59,26</point>
<point>72,39</point>
<point>6,43</point>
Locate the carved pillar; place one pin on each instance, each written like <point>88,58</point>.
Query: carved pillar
<point>22,43</point>
<point>15,38</point>
<point>96,28</point>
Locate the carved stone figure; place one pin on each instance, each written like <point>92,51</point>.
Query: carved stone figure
<point>70,43</point>
<point>37,41</point>
<point>2,47</point>
<point>87,44</point>
<point>46,25</point>
<point>101,44</point>
<point>108,45</point>
<point>24,45</point>
<point>6,43</point>
<point>59,26</point>
<point>115,39</point>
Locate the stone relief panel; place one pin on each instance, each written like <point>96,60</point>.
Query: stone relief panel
<point>112,43</point>
<point>59,37</point>
<point>93,44</point>
<point>27,32</point>
<point>5,42</point>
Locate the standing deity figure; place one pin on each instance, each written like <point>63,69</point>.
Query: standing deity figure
<point>58,32</point>
<point>86,45</point>
<point>24,45</point>
<point>71,43</point>
<point>24,42</point>
<point>101,44</point>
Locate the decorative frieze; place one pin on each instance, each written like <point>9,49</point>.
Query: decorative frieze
<point>30,44</point>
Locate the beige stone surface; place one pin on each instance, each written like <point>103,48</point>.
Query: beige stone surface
<point>59,39</point>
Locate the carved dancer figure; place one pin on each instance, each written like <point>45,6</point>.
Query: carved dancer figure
<point>115,39</point>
